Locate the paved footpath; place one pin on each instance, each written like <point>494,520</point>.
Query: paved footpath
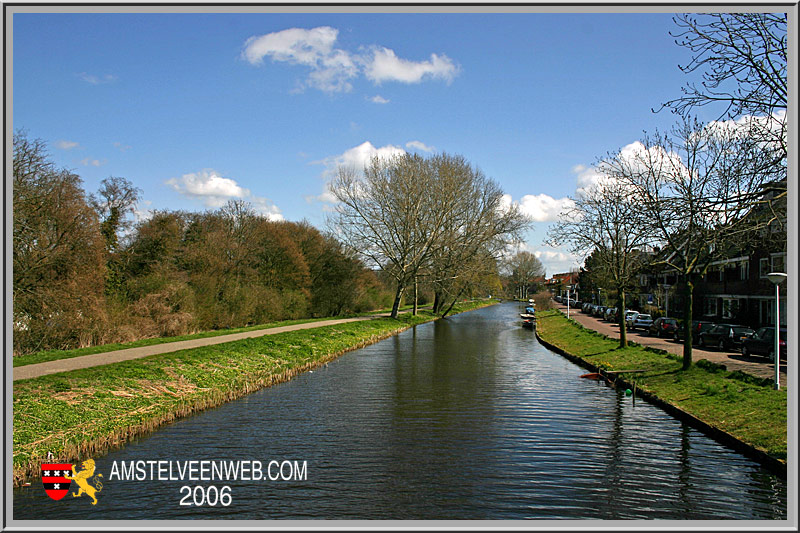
<point>757,366</point>
<point>105,358</point>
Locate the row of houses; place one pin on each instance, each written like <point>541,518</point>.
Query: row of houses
<point>734,289</point>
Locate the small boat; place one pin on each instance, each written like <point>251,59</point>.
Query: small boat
<point>592,375</point>
<point>527,316</point>
<point>529,323</point>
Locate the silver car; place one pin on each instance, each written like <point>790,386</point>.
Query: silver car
<point>642,321</point>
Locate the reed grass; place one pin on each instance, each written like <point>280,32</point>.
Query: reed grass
<point>90,411</point>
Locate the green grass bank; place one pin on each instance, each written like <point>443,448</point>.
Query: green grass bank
<point>85,413</point>
<point>745,408</point>
<point>56,355</point>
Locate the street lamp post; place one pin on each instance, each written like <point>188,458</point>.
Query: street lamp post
<point>568,288</point>
<point>777,278</point>
<point>666,297</point>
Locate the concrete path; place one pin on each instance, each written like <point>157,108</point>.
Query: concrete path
<point>105,358</point>
<point>754,365</point>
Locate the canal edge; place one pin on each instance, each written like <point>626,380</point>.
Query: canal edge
<point>773,464</point>
<point>122,436</point>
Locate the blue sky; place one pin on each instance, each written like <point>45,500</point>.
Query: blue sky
<point>196,109</point>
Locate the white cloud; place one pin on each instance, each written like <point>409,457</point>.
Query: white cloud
<point>331,68</point>
<point>384,65</point>
<point>96,80</point>
<point>635,155</point>
<point>557,261</point>
<point>378,99</point>
<point>418,145</point>
<point>587,178</point>
<point>66,145</point>
<point>122,147</point>
<point>544,208</point>
<point>554,260</point>
<point>357,158</point>
<point>539,207</point>
<point>141,211</point>
<point>215,191</point>
<point>88,162</point>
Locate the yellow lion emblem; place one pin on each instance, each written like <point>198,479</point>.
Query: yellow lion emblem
<point>82,479</point>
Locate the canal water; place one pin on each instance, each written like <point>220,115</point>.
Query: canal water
<point>465,418</point>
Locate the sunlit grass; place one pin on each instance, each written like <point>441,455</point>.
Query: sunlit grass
<point>89,411</point>
<point>747,407</point>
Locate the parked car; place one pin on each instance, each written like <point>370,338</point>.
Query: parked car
<point>600,310</point>
<point>762,342</point>
<point>586,307</point>
<point>698,327</point>
<point>629,316</point>
<point>725,336</point>
<point>557,299</point>
<point>641,321</point>
<point>609,314</point>
<point>664,327</point>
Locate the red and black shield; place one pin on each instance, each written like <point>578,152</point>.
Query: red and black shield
<point>56,485</point>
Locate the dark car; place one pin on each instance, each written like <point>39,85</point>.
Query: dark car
<point>698,327</point>
<point>599,311</point>
<point>664,327</point>
<point>762,342</point>
<point>725,336</point>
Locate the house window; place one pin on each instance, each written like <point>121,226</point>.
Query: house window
<point>763,267</point>
<point>709,306</point>
<point>730,307</point>
<point>779,263</point>
<point>744,270</point>
<point>766,313</point>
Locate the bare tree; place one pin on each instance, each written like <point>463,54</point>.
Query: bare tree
<point>58,254</point>
<point>522,269</point>
<point>116,198</point>
<point>696,187</point>
<point>476,231</point>
<point>391,215</point>
<point>413,216</point>
<point>742,58</point>
<point>607,222</point>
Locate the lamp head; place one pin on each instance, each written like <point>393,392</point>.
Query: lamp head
<point>776,277</point>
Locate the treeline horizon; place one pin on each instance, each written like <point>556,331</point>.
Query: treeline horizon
<point>86,274</point>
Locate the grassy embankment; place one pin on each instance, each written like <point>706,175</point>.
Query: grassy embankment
<point>54,355</point>
<point>89,411</point>
<point>745,407</point>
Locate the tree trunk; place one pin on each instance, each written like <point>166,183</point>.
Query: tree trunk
<point>437,301</point>
<point>623,334</point>
<point>416,295</point>
<point>398,296</point>
<point>453,303</point>
<point>687,322</point>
